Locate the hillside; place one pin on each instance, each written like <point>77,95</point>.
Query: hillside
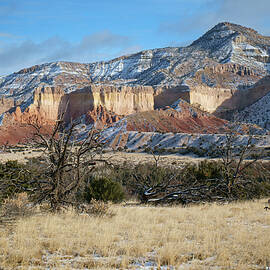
<point>221,72</point>
<point>246,50</point>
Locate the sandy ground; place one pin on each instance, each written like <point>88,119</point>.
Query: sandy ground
<point>112,157</point>
<point>20,156</point>
<point>136,158</point>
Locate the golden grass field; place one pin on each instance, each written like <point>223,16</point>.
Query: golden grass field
<point>230,236</point>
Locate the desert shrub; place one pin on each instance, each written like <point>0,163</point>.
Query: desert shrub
<point>103,189</point>
<point>204,170</point>
<point>144,176</point>
<point>206,178</point>
<point>148,149</point>
<point>200,152</point>
<point>14,178</point>
<point>161,150</point>
<point>253,182</point>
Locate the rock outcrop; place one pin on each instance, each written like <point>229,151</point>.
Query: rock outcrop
<point>222,101</point>
<point>218,72</point>
<point>101,117</point>
<point>122,100</point>
<point>50,102</point>
<point>6,104</point>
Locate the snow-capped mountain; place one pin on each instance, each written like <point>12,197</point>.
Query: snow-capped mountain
<point>223,44</point>
<point>20,85</point>
<point>244,52</point>
<point>228,56</point>
<point>258,113</point>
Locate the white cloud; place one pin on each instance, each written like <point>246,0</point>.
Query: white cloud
<point>99,46</point>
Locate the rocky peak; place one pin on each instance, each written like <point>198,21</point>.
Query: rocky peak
<point>225,35</point>
<point>225,31</point>
<point>246,52</point>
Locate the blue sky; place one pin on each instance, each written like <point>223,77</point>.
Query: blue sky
<point>38,31</point>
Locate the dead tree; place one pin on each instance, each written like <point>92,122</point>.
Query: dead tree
<point>67,159</point>
<point>235,159</point>
<point>176,191</point>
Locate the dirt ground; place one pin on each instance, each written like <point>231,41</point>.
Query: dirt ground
<point>113,157</point>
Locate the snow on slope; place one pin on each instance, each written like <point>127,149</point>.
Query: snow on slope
<point>20,85</point>
<point>258,113</point>
<point>139,140</point>
<point>225,43</point>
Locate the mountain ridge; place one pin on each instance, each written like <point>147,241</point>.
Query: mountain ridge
<point>163,65</point>
<point>226,59</point>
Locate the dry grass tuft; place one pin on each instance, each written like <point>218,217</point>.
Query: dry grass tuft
<point>19,205</point>
<point>98,209</point>
<point>233,236</point>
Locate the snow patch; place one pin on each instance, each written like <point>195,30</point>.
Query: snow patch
<point>2,118</point>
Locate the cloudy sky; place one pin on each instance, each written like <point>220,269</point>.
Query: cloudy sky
<point>38,31</point>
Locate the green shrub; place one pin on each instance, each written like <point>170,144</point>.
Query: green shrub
<point>148,149</point>
<point>204,170</point>
<point>103,189</point>
<point>14,178</point>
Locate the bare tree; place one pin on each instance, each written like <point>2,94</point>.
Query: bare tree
<point>67,160</point>
<point>236,157</point>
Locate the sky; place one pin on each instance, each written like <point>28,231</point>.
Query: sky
<point>40,31</point>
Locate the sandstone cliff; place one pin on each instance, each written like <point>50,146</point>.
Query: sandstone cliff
<point>122,100</point>
<point>6,104</point>
<point>50,102</point>
<point>167,95</point>
<point>210,99</point>
<point>46,106</point>
<point>221,101</point>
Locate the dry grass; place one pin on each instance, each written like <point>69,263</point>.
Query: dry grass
<point>17,206</point>
<point>234,236</point>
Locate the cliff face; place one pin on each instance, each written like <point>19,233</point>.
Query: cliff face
<point>6,104</point>
<point>210,99</point>
<point>222,100</point>
<point>121,100</point>
<point>50,102</point>
<point>47,101</point>
<point>165,96</point>
<point>46,106</point>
